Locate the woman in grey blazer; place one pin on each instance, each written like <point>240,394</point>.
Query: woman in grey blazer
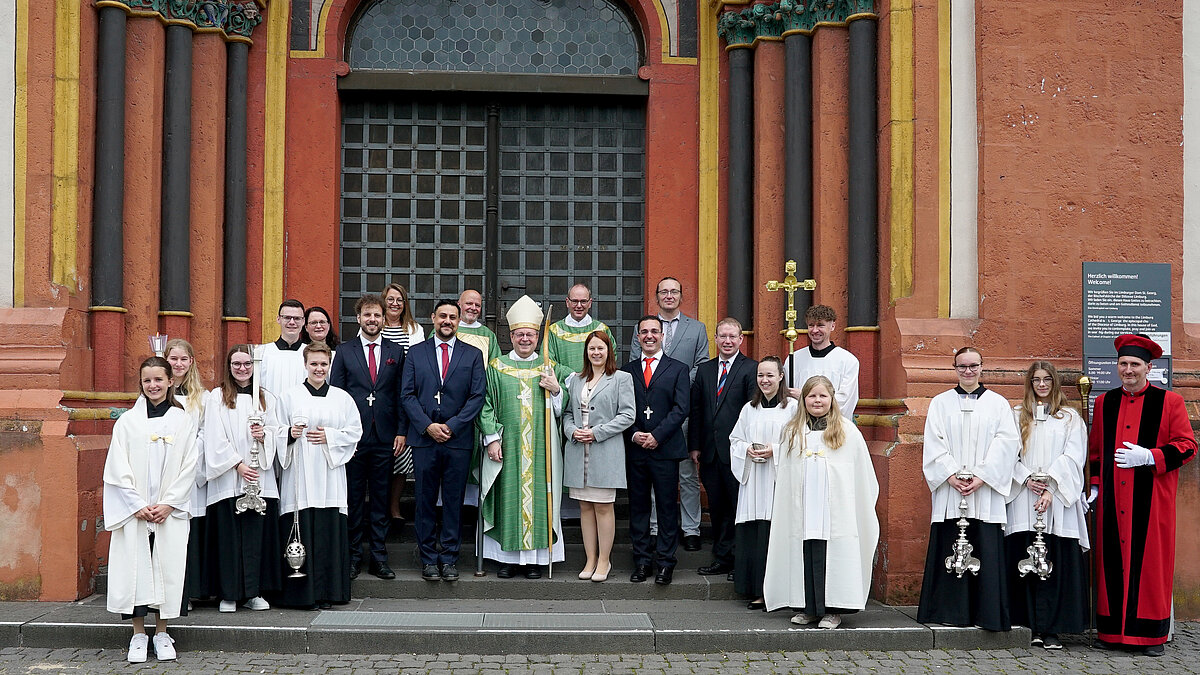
<point>601,407</point>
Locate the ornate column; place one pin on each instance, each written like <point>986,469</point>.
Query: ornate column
<point>235,319</point>
<point>174,286</point>
<point>107,311</point>
<point>797,150</point>
<point>739,34</point>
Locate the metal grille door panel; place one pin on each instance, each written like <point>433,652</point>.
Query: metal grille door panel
<point>571,202</point>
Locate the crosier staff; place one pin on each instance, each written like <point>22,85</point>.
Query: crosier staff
<point>549,415</point>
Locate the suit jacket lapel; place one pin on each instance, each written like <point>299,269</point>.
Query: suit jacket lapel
<point>431,355</point>
<point>455,357</point>
<point>600,386</point>
<point>360,357</point>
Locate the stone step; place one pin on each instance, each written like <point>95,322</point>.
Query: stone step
<point>487,626</point>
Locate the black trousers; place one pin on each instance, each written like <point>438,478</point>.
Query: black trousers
<point>722,488</point>
<point>437,468</point>
<point>644,476</point>
<point>369,474</point>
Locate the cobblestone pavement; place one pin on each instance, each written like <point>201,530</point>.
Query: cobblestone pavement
<point>1183,656</point>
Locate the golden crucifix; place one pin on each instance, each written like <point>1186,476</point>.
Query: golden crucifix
<point>790,285</point>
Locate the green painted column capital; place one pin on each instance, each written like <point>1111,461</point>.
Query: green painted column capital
<point>744,27</point>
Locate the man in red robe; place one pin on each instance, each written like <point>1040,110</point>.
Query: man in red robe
<point>1140,437</point>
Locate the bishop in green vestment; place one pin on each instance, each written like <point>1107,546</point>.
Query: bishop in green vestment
<point>568,335</point>
<point>517,516</point>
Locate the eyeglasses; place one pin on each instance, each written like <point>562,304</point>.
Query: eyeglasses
<point>242,365</point>
<point>291,319</point>
<point>579,302</point>
<point>671,291</point>
<point>1042,380</point>
<point>395,301</point>
<point>968,366</point>
<point>318,323</point>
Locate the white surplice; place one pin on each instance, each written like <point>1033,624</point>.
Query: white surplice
<point>842,514</point>
<point>838,364</point>
<point>756,489</point>
<point>985,441</point>
<point>150,461</point>
<point>199,501</point>
<point>1058,447</point>
<point>281,369</point>
<point>314,475</point>
<point>227,441</point>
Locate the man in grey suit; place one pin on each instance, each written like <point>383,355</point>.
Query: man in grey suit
<point>684,339</point>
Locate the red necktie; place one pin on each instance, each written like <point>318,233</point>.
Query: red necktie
<point>721,381</point>
<point>648,372</point>
<point>445,359</point>
<point>371,367</point>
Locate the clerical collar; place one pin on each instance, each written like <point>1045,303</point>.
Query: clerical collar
<point>159,410</point>
<point>317,391</point>
<point>585,321</point>
<point>248,389</point>
<point>820,353</point>
<point>181,390</point>
<point>284,346</point>
<point>773,402</point>
<point>818,423</point>
<point>1135,394</point>
<point>473,324</point>
<point>513,355</point>
<point>977,393</point>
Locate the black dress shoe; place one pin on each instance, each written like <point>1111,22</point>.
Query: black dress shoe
<point>714,568</point>
<point>756,604</point>
<point>729,577</point>
<point>430,572</point>
<point>640,572</point>
<point>323,605</point>
<point>691,542</point>
<point>533,572</point>
<point>1154,650</point>
<point>355,568</point>
<point>505,572</point>
<point>449,573</point>
<point>381,570</point>
<point>664,576</point>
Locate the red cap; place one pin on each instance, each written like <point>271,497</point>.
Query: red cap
<point>1138,346</point>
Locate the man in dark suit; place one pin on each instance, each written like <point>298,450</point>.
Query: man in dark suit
<point>368,368</point>
<point>654,446</point>
<point>722,386</point>
<point>442,391</point>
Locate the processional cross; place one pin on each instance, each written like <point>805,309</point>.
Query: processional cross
<point>790,285</point>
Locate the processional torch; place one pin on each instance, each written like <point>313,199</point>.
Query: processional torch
<point>790,285</point>
<point>251,498</point>
<point>158,344</point>
<point>960,561</point>
<point>1037,561</point>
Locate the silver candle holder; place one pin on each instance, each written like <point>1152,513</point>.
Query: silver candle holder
<point>1037,561</point>
<point>251,498</point>
<point>960,561</point>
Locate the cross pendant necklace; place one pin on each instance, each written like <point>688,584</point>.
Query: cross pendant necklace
<point>371,400</point>
<point>438,397</point>
<point>647,412</point>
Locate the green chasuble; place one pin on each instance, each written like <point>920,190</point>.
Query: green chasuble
<point>514,489</point>
<point>482,338</point>
<point>566,343</point>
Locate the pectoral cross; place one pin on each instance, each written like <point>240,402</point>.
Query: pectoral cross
<point>438,397</point>
<point>647,412</point>
<point>526,396</point>
<point>371,400</point>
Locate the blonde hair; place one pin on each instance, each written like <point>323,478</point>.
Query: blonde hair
<point>191,379</point>
<point>1055,402</point>
<point>835,432</point>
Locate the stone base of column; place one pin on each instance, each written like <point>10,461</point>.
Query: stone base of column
<point>235,330</point>
<point>175,324</point>
<point>108,348</point>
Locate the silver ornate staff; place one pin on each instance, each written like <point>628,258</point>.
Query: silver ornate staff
<point>1037,562</point>
<point>251,497</point>
<point>961,561</point>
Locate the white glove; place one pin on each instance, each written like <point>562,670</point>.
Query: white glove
<point>1090,498</point>
<point>1133,455</point>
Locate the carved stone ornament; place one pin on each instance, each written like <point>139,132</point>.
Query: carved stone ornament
<point>743,27</point>
<point>235,18</point>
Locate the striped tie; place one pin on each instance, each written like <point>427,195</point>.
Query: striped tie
<point>721,381</point>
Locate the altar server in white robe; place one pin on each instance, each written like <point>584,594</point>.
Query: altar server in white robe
<point>822,357</point>
<point>969,428</point>
<point>752,460</point>
<point>149,475</point>
<point>246,564</point>
<point>324,429</point>
<point>824,529</point>
<point>189,392</point>
<point>1054,444</point>
<point>282,362</point>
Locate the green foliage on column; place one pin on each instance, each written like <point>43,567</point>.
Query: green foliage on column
<point>235,19</point>
<point>743,27</point>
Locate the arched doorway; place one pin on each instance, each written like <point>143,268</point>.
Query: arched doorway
<point>497,145</point>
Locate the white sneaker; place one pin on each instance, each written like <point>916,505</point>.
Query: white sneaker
<point>257,604</point>
<point>137,648</point>
<point>164,647</point>
<point>830,621</point>
<point>803,619</point>
<point>227,606</point>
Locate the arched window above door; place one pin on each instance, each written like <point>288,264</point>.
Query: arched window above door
<point>566,37</point>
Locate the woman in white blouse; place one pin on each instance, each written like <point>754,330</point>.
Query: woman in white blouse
<point>752,458</point>
<point>1048,479</point>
